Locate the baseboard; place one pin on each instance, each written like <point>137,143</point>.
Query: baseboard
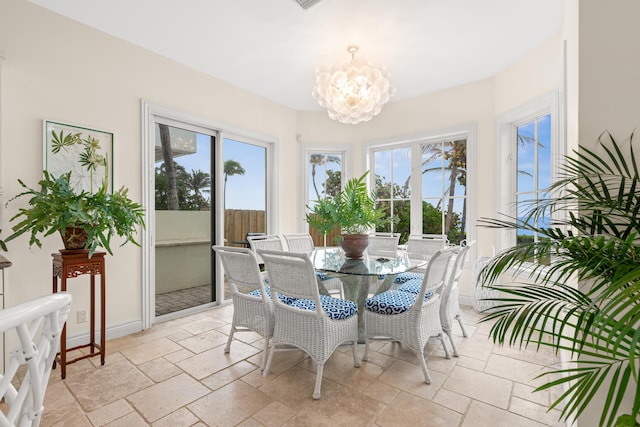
<point>112,332</point>
<point>465,300</point>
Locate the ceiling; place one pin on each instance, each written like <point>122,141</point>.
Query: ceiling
<point>273,47</point>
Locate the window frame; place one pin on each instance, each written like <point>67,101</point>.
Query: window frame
<point>152,112</point>
<point>371,179</point>
<point>467,132</point>
<point>506,155</point>
<point>319,148</point>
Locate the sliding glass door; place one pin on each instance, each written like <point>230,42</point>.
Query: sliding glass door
<point>184,218</point>
<point>245,191</point>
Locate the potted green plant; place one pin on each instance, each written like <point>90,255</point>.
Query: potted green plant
<point>354,210</point>
<point>84,220</point>
<point>596,237</point>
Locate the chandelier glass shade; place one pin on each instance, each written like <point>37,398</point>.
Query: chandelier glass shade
<point>353,91</point>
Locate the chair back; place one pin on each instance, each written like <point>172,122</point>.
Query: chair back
<point>383,245</point>
<point>435,275</point>
<point>453,278</point>
<point>291,274</point>
<point>270,242</point>
<point>38,324</point>
<point>423,246</point>
<point>459,264</point>
<point>241,268</point>
<point>299,243</point>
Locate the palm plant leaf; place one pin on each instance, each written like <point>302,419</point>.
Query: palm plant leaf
<point>594,236</point>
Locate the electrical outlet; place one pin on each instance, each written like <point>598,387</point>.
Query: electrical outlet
<point>81,316</point>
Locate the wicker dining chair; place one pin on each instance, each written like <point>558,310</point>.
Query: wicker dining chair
<point>410,318</point>
<point>271,242</point>
<point>37,326</point>
<point>381,245</point>
<point>449,306</point>
<point>421,246</point>
<point>252,311</point>
<point>299,242</point>
<point>316,324</point>
<point>453,311</point>
<point>303,243</point>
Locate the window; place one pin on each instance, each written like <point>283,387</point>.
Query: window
<point>245,189</point>
<point>533,170</point>
<point>184,176</point>
<point>324,175</point>
<point>393,188</point>
<point>422,183</point>
<point>324,171</point>
<point>528,148</point>
<point>444,189</point>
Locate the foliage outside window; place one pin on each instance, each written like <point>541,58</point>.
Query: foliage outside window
<point>181,186</point>
<point>324,180</point>
<point>192,187</point>
<point>444,189</point>
<point>393,189</point>
<point>325,175</point>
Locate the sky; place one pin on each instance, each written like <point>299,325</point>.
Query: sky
<point>246,191</point>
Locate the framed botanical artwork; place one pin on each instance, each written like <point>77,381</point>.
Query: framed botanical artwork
<point>86,153</point>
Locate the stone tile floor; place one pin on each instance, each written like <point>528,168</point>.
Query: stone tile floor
<point>176,374</point>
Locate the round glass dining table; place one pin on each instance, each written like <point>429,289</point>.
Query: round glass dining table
<point>358,276</point>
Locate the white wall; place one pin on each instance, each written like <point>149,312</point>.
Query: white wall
<point>609,69</point>
<point>59,69</point>
<point>538,73</point>
<point>608,91</point>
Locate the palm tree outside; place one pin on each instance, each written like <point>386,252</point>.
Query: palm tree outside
<point>454,155</point>
<point>231,167</point>
<point>317,160</point>
<point>199,182</point>
<point>167,155</point>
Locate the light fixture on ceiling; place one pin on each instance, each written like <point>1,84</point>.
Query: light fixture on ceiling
<point>306,4</point>
<point>353,92</point>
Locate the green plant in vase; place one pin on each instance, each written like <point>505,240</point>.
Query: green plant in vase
<point>353,209</point>
<point>84,219</point>
<point>55,207</point>
<point>595,237</point>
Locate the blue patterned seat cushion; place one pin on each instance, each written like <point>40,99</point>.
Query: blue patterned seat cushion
<point>392,302</point>
<point>285,299</point>
<point>405,277</point>
<point>322,276</point>
<point>412,286</point>
<point>335,308</point>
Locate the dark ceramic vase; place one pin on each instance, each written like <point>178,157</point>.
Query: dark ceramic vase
<point>354,245</point>
<point>74,238</point>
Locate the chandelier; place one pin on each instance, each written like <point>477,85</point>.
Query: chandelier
<point>353,92</point>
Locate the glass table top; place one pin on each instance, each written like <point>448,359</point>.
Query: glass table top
<point>333,260</point>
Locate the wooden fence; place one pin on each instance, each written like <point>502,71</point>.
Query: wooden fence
<point>238,222</point>
<point>318,239</point>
